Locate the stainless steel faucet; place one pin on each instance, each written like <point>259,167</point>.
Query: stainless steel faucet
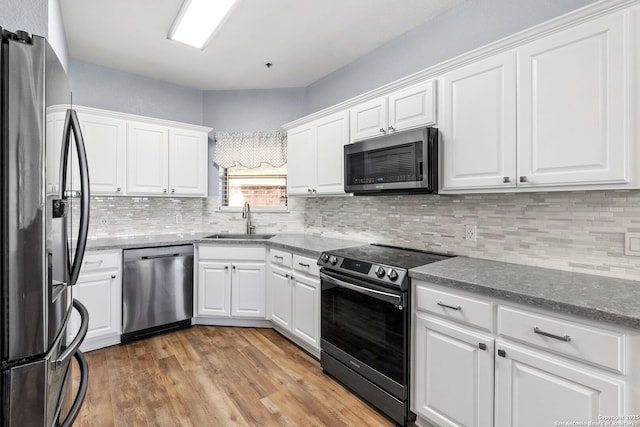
<point>246,214</point>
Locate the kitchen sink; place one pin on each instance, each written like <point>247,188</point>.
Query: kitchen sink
<point>241,236</point>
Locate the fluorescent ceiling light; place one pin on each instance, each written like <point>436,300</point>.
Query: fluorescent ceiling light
<point>198,19</point>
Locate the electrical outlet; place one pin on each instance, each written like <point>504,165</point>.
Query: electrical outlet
<point>178,218</point>
<point>470,232</point>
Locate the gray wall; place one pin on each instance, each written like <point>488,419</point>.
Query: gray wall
<point>248,110</point>
<point>110,89</point>
<point>470,25</point>
<point>252,110</point>
<point>25,15</point>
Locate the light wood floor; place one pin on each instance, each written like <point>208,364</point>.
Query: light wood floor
<point>216,376</point>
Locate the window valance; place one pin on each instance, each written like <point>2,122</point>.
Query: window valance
<point>250,149</point>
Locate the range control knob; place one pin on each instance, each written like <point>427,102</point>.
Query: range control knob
<point>380,272</point>
<point>324,258</point>
<point>393,275</point>
<point>333,260</point>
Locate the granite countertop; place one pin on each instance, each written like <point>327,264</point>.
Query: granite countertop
<point>308,244</point>
<point>600,298</point>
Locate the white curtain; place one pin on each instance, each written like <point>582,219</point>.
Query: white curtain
<point>250,149</point>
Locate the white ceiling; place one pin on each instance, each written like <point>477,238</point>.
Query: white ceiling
<point>304,39</point>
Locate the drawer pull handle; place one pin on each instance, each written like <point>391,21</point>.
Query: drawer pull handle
<point>279,257</point>
<point>93,262</point>
<point>113,276</point>
<point>452,307</point>
<point>302,264</point>
<point>565,338</point>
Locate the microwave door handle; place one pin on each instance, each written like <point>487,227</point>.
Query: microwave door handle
<point>384,296</point>
<point>73,125</point>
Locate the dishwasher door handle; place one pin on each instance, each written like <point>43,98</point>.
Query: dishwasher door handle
<point>159,256</point>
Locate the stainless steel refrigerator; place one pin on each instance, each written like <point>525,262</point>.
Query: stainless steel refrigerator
<point>42,240</point>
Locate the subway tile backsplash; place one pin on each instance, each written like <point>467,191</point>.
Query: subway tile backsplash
<point>577,231</point>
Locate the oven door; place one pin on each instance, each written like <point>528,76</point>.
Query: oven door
<point>366,327</point>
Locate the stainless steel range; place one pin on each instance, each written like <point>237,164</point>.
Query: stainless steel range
<point>365,322</point>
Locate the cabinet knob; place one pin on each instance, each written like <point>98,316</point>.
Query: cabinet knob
<point>164,191</point>
<point>173,190</point>
<point>382,130</point>
<point>392,129</point>
<point>118,189</point>
<point>113,276</point>
<point>523,179</point>
<point>506,179</point>
<point>226,267</point>
<point>314,191</point>
<point>309,190</point>
<point>233,266</point>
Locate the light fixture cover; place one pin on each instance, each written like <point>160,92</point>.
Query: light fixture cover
<point>198,19</point>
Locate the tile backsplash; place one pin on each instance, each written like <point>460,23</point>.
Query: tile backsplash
<point>577,231</point>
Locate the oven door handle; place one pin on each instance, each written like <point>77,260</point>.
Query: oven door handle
<point>394,299</point>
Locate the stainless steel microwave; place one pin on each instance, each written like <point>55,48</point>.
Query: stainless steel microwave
<point>402,162</point>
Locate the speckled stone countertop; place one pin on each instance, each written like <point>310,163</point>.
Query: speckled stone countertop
<point>596,297</point>
<point>308,244</point>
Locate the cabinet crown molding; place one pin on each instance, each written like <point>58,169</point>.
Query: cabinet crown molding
<point>586,13</point>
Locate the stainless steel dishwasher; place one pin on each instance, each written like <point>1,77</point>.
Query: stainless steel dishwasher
<point>157,290</point>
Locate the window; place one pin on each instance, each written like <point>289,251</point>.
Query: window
<point>262,187</point>
<point>253,169</point>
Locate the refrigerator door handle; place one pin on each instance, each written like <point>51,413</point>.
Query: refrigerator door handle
<point>82,390</point>
<point>75,344</point>
<point>71,124</point>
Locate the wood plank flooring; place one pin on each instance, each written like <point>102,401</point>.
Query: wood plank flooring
<point>216,376</point>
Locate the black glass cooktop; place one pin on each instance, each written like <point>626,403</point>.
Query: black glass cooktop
<point>389,255</point>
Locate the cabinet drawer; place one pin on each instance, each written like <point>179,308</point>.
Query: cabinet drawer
<point>306,265</point>
<point>280,258</point>
<point>99,260</point>
<point>578,341</point>
<point>232,253</point>
<point>464,309</point>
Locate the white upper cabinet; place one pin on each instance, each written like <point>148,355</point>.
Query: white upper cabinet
<point>147,158</point>
<point>332,134</point>
<point>300,160</point>
<point>166,160</point>
<point>187,162</point>
<point>105,142</point>
<point>478,124</point>
<point>403,109</point>
<point>315,156</point>
<point>553,114</point>
<point>572,86</point>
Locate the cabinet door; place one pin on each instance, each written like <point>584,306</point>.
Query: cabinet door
<point>571,102</point>
<point>478,124</point>
<point>147,158</point>
<point>533,389</point>
<point>301,161</point>
<point>332,134</point>
<point>306,309</point>
<point>187,163</point>
<point>248,289</point>
<point>101,294</point>
<point>412,107</point>
<point>369,119</point>
<point>214,289</point>
<point>280,294</point>
<point>105,143</point>
<point>453,375</point>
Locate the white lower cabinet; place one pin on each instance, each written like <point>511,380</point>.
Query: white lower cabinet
<point>534,389</point>
<point>294,298</point>
<point>453,373</point>
<point>529,368</point>
<point>99,289</point>
<point>230,283</point>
